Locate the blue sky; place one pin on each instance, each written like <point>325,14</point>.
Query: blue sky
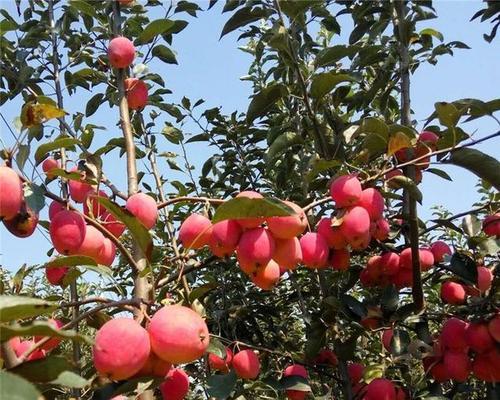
<point>210,68</point>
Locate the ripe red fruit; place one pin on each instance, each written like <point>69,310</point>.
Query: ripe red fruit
<point>155,366</point>
<point>48,165</point>
<point>457,365</point>
<point>380,389</point>
<point>55,275</point>
<point>478,337</point>
<point>453,334</point>
<point>289,226</point>
<point>453,293</point>
<point>425,255</point>
<point>224,238</point>
<point>92,243</point>
<point>326,357</point>
<point>256,246</point>
<point>340,259</point>
<point>486,366</point>
<point>296,370</point>
<point>332,234</point>
<point>113,225</point>
<point>491,225</point>
<point>78,189</point>
<point>11,195</point>
<point>436,368</point>
<point>107,254</point>
<point>373,202</point>
<point>92,207</point>
<point>111,341</point>
<point>22,346</point>
<point>484,278</point>
<point>248,223</point>
<point>268,276</point>
<point>389,263</point>
<point>314,250</point>
<point>246,364</point>
<point>387,339</point>
<point>439,249</point>
<point>67,231</point>
<point>429,138</point>
<point>381,229</point>
<point>137,93</point>
<point>54,208</point>
<point>494,328</point>
<point>221,364</point>
<point>287,253</point>
<point>195,231</point>
<point>346,191</point>
<point>121,52</point>
<point>24,223</point>
<point>404,278</point>
<point>176,385</point>
<point>53,342</point>
<point>144,208</point>
<point>178,334</point>
<point>355,372</point>
<point>356,226</point>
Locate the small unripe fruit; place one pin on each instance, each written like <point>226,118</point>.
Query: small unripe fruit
<point>439,249</point>
<point>257,246</point>
<point>178,334</point>
<point>155,366</point>
<point>380,389</point>
<point>224,238</point>
<point>340,259</point>
<point>195,231</point>
<point>121,52</point>
<point>457,365</point>
<point>494,328</point>
<point>453,334</point>
<point>55,275</point>
<point>53,342</point>
<point>289,226</point>
<point>356,226</point>
<point>107,254</point>
<point>48,165</point>
<point>491,225</point>
<point>11,193</point>
<point>121,348</point>
<point>246,364</point>
<point>373,202</point>
<point>137,93</point>
<point>314,250</point>
<point>296,370</point>
<point>332,234</point>
<point>355,372</point>
<point>268,276</point>
<point>287,253</point>
<point>248,223</point>
<point>478,338</point>
<point>144,208</point>
<point>67,231</point>
<point>453,293</point>
<point>221,364</point>
<point>346,191</point>
<point>484,279</point>
<point>176,385</point>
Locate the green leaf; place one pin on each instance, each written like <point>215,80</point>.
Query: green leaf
<point>447,113</point>
<point>408,184</point>
<point>217,348</point>
<point>377,135</point>
<point>221,386</point>
<point>19,307</point>
<point>17,388</point>
<point>173,135</point>
<point>84,7</point>
<point>471,225</point>
<point>243,17</point>
<point>333,54</point>
<point>432,32</point>
<point>136,385</point>
<point>164,54</point>
<point>153,29</point>
<point>201,291</point>
<point>479,163</point>
<point>93,104</point>
<point>39,328</point>
<point>463,266</point>
<point>22,155</point>
<point>62,142</point>
<point>440,173</point>
<point>294,382</point>
<point>51,369</point>
<point>282,143</point>
<point>352,306</point>
<point>242,207</point>
<point>138,231</point>
<point>68,261</point>
<point>324,83</point>
<point>264,100</point>
<point>34,197</point>
<point>399,342</point>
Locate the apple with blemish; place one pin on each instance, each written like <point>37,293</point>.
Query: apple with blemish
<point>331,234</point>
<point>24,223</point>
<point>256,246</point>
<point>267,276</point>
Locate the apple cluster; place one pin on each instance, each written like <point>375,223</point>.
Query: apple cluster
<point>456,293</point>
<point>175,335</point>
<point>465,347</point>
<point>245,363</point>
<point>377,389</point>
